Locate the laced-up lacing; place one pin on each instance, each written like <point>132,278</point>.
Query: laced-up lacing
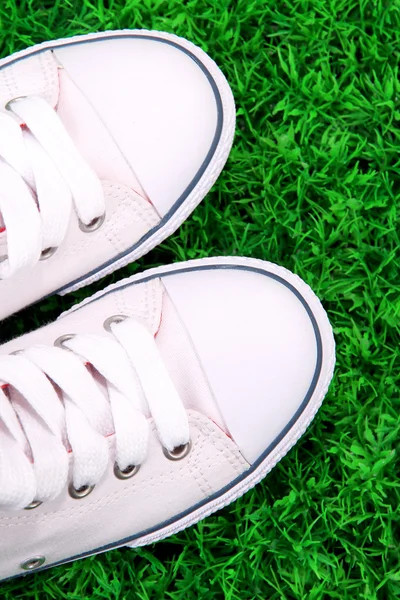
<point>59,405</point>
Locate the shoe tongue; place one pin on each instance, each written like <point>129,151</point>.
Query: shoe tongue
<point>179,355</point>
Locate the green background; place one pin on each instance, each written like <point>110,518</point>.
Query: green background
<point>312,183</point>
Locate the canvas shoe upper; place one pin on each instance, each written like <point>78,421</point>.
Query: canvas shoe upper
<point>153,404</point>
<point>107,143</point>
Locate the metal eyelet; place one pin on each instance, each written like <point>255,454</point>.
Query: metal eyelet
<point>60,342</point>
<point>33,563</point>
<point>179,452</point>
<point>33,504</point>
<point>82,492</point>
<point>93,225</point>
<point>48,252</point>
<point>125,473</point>
<point>7,106</point>
<point>111,320</point>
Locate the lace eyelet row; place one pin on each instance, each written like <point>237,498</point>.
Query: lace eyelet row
<point>94,225</point>
<point>178,453</point>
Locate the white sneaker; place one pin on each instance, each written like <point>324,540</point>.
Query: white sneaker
<point>107,143</point>
<point>152,404</point>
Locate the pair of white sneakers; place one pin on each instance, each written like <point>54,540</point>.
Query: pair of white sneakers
<point>166,396</point>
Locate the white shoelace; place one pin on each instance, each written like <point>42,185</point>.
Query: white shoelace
<point>43,177</point>
<point>58,407</point>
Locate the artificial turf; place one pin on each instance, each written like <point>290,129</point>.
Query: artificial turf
<point>312,183</point>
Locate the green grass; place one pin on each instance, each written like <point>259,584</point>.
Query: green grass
<point>312,183</point>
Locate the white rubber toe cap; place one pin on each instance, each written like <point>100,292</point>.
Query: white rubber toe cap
<point>259,346</point>
<point>159,102</point>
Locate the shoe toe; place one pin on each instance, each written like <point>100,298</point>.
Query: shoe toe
<point>258,345</point>
<point>158,101</point>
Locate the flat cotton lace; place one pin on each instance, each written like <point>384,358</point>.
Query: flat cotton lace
<point>67,414</point>
<point>43,178</point>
